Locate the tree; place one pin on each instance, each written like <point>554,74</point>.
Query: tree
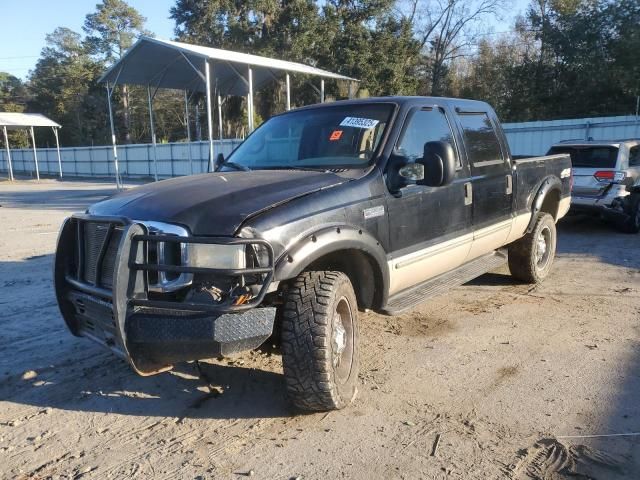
<point>13,98</point>
<point>567,58</point>
<point>111,30</point>
<point>364,39</point>
<point>63,79</point>
<point>447,30</point>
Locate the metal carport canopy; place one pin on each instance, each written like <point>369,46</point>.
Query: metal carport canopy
<point>18,121</point>
<point>157,63</point>
<point>180,66</point>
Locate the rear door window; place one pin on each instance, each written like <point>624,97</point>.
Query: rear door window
<point>480,139</point>
<point>589,157</point>
<point>634,156</point>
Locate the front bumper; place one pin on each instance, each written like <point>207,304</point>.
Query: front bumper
<point>153,334</point>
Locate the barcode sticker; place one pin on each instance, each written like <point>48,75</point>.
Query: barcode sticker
<point>357,122</point>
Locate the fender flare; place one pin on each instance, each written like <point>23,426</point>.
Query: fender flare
<point>316,245</point>
<point>548,185</point>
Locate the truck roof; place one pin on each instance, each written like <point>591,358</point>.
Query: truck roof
<point>463,104</point>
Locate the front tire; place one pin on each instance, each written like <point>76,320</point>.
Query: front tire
<point>320,341</point>
<point>531,257</point>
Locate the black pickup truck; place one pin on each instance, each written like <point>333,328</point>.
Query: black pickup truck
<point>322,212</point>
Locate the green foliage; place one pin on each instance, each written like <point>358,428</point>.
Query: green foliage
<point>361,39</point>
<point>112,28</point>
<point>63,87</point>
<point>571,58</point>
<point>13,97</point>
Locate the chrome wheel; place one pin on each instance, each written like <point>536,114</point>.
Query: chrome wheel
<point>342,340</point>
<point>543,247</point>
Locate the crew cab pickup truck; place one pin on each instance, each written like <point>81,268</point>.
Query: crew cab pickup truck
<point>606,179</point>
<point>322,212</point>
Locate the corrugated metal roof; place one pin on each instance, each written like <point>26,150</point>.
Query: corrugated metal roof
<point>168,64</point>
<point>13,120</point>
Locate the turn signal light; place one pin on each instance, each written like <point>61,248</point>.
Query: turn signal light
<point>609,176</point>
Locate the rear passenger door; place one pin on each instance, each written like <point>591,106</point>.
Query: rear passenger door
<point>491,181</point>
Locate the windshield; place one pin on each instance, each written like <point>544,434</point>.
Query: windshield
<point>589,157</point>
<point>332,137</point>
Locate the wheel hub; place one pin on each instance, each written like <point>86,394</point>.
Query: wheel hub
<point>543,248</point>
<point>339,340</point>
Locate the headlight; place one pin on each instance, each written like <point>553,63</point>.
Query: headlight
<point>217,256</point>
<point>167,253</point>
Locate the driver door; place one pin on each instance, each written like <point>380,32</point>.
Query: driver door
<point>430,227</point>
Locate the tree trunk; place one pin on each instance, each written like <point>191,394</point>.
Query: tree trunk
<point>126,114</point>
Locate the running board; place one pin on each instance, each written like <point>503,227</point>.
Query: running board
<point>464,273</point>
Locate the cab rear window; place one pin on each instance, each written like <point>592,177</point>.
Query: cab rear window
<point>589,157</point>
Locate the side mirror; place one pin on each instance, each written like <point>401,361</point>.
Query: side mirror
<point>219,161</point>
<point>439,163</point>
<point>412,172</point>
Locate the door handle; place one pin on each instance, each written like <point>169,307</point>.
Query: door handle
<point>509,185</point>
<point>468,193</point>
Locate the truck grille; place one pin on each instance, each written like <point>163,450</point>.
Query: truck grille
<point>99,239</point>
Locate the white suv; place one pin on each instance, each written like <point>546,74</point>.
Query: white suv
<point>606,176</point>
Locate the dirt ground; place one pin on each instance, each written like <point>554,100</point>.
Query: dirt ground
<point>496,380</point>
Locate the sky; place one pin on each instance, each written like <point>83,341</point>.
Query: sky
<point>25,23</point>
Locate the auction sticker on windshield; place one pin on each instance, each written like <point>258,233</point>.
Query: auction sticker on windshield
<point>357,122</point>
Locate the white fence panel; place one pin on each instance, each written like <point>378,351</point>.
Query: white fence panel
<point>535,138</point>
<point>133,160</point>
<point>527,138</point>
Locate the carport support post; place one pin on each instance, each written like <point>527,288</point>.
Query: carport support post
<point>113,137</point>
<point>186,122</point>
<point>153,135</point>
<point>207,71</point>
<point>35,154</point>
<point>322,90</point>
<point>288,93</point>
<point>55,132</point>
<point>6,144</point>
<point>220,134</point>
<point>250,100</point>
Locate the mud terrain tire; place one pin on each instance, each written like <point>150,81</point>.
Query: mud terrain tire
<point>320,341</point>
<point>531,257</point>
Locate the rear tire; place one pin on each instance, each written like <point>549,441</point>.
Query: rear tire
<point>531,257</point>
<point>632,225</point>
<point>320,341</point>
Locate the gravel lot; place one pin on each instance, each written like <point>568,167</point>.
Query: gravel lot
<point>494,380</point>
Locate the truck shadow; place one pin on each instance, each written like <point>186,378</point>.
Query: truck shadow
<point>100,382</point>
<point>43,365</point>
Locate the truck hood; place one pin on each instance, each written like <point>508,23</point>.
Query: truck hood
<point>214,203</point>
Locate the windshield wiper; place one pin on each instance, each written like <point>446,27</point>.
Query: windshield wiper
<point>234,165</point>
